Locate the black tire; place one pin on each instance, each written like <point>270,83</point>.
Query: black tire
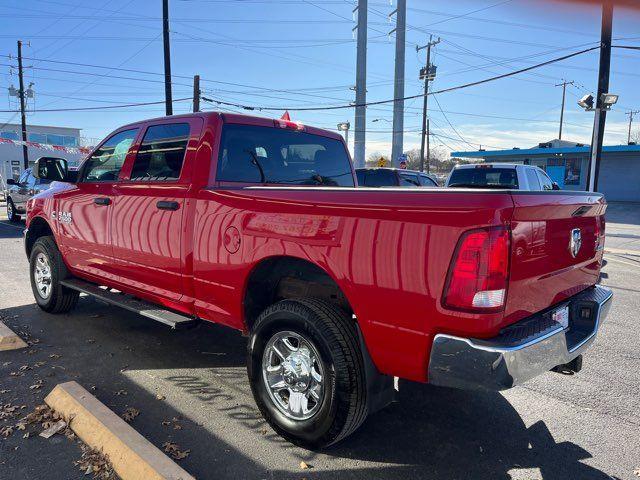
<point>12,215</point>
<point>343,407</point>
<point>60,299</point>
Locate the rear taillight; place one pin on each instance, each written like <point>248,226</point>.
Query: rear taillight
<point>477,279</point>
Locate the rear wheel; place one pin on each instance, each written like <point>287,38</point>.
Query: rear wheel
<point>12,215</point>
<point>306,372</point>
<point>47,270</point>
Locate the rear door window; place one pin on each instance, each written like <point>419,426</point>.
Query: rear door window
<point>426,181</point>
<point>253,154</point>
<point>105,163</point>
<point>380,178</point>
<point>161,153</point>
<point>484,177</point>
<point>545,181</point>
<point>532,179</point>
<point>409,179</point>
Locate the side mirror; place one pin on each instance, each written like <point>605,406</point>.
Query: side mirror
<point>52,169</point>
<point>555,186</point>
<point>11,181</point>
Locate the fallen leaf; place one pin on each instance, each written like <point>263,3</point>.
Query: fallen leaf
<point>6,431</point>
<point>121,392</point>
<point>173,449</point>
<point>130,413</point>
<point>54,355</point>
<point>160,397</point>
<point>304,466</point>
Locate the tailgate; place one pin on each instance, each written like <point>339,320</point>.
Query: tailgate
<point>556,249</point>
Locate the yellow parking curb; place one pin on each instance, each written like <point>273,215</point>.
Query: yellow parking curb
<point>131,455</point>
<point>9,340</point>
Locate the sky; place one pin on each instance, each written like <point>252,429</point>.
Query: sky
<point>301,53</point>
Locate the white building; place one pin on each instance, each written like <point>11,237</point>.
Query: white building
<point>41,141</point>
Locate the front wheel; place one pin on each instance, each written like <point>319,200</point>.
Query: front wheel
<point>46,271</point>
<point>12,215</point>
<point>306,372</point>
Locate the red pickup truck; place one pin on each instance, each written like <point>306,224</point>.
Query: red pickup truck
<point>260,225</point>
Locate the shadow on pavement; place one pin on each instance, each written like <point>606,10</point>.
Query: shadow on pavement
<point>429,433</point>
<point>11,230</point>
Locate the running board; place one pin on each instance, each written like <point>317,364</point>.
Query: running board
<point>129,302</point>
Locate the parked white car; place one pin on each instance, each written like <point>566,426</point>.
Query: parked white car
<point>500,175</point>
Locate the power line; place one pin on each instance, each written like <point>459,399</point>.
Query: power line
<point>450,124</point>
<point>445,90</point>
<point>79,109</point>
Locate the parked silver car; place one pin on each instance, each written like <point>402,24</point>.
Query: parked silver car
<point>21,190</point>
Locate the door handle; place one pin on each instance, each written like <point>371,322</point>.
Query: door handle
<point>102,201</point>
<point>164,205</point>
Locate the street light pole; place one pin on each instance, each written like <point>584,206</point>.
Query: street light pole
<point>397,136</point>
<point>361,86</point>
<point>603,87</point>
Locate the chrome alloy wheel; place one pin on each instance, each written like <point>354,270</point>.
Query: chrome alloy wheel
<point>9,210</point>
<point>293,374</point>
<point>42,275</point>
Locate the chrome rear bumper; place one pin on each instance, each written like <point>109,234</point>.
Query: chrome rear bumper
<point>522,350</point>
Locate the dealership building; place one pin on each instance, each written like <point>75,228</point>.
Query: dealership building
<point>567,163</point>
<point>41,141</point>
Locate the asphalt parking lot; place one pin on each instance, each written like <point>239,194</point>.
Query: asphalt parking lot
<point>190,388</point>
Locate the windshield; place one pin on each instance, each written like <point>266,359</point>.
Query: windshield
<point>484,177</point>
<point>252,154</point>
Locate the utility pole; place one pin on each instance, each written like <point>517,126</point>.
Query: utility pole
<point>398,88</point>
<point>564,94</point>
<point>631,113</point>
<point>603,87</point>
<point>428,74</point>
<point>23,117</point>
<point>361,86</point>
<point>167,58</point>
<point>196,93</point>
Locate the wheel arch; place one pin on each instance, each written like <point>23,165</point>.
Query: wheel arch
<point>282,277</point>
<point>38,227</point>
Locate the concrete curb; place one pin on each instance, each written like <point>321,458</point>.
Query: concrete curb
<point>132,455</point>
<point>9,340</point>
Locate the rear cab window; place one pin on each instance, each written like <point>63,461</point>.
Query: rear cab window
<point>484,177</point>
<point>266,155</point>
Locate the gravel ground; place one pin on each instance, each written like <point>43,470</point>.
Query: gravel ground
<point>190,388</point>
